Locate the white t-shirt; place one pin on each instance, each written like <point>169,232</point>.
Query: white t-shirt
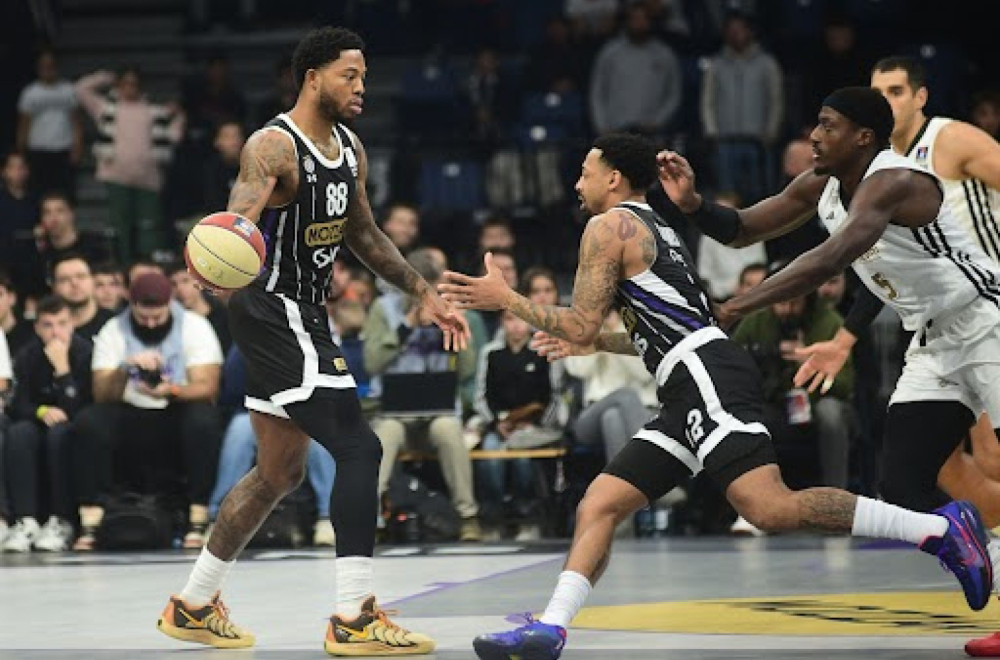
<point>51,110</point>
<point>201,346</point>
<point>720,265</point>
<point>6,371</point>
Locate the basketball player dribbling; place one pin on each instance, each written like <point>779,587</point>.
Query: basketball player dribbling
<point>967,161</point>
<point>708,387</point>
<point>302,179</point>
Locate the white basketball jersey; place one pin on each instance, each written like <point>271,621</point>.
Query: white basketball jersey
<point>922,273</point>
<point>974,204</point>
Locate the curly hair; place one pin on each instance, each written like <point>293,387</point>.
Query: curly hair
<point>632,155</point>
<point>320,47</point>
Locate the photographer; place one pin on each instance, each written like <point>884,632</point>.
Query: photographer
<point>156,377</point>
<point>53,386</point>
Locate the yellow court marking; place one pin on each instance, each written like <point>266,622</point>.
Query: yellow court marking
<point>890,613</point>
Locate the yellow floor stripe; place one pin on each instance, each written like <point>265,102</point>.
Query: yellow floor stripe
<point>890,613</point>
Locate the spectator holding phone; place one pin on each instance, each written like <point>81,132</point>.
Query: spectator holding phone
<point>156,377</point>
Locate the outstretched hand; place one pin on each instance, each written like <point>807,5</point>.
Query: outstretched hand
<point>451,321</point>
<point>489,292</point>
<point>823,361</point>
<point>553,348</point>
<point>677,178</point>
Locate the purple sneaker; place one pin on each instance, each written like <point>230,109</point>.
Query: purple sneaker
<point>533,641</point>
<point>962,550</point>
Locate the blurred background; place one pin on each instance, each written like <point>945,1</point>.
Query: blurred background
<point>477,114</point>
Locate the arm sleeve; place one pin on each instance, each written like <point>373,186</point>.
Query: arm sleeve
<point>864,310</point>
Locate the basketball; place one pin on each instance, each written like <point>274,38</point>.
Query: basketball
<point>225,251</point>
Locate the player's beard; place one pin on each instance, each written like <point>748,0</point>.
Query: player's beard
<point>328,107</point>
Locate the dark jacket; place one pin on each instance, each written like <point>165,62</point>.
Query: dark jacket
<point>35,385</point>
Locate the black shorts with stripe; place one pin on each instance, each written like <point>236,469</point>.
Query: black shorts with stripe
<point>289,350</point>
<point>711,405</point>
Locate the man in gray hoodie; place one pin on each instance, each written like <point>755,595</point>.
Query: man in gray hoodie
<point>742,102</point>
<point>636,80</point>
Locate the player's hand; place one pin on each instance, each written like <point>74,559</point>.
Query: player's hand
<point>677,178</point>
<point>553,348</point>
<point>489,292</point>
<point>823,361</point>
<point>222,294</point>
<point>725,315</point>
<point>451,321</point>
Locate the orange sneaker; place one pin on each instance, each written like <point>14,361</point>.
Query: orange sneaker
<point>371,633</point>
<point>209,625</point>
<point>984,647</point>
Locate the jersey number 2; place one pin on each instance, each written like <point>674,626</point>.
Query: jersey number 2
<point>336,199</point>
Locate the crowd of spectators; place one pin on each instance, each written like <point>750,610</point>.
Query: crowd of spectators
<point>118,374</point>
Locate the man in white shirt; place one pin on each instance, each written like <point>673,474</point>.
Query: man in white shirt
<point>49,129</point>
<point>156,376</point>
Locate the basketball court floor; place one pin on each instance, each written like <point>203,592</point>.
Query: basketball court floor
<point>780,598</point>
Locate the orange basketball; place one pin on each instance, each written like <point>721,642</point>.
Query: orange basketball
<point>225,251</point>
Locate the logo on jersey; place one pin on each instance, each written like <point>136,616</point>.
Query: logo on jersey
<point>921,155</point>
<point>340,364</point>
<point>308,164</point>
<point>325,233</point>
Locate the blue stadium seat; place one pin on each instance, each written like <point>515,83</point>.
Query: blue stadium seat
<point>451,185</point>
<point>554,109</point>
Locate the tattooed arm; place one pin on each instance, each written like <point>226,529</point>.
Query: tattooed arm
<point>615,342</point>
<point>371,245</point>
<point>267,157</point>
<point>597,275</point>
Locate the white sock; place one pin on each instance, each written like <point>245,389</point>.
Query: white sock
<point>887,521</point>
<point>205,579</point>
<point>571,590</point>
<point>354,584</point>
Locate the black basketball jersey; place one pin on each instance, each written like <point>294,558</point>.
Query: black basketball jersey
<point>303,236</point>
<point>665,303</point>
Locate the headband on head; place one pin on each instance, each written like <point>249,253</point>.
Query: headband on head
<point>864,106</point>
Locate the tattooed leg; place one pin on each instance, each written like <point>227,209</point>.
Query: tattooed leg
<point>762,497</point>
<point>281,459</point>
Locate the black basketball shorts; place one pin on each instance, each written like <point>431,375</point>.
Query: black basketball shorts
<point>711,404</point>
<point>289,350</point>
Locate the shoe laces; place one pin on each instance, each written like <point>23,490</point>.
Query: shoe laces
<point>220,623</point>
<point>383,617</point>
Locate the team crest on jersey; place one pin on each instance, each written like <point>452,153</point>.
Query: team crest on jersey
<point>921,155</point>
<point>308,164</point>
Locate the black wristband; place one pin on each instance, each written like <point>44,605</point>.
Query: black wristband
<point>716,221</point>
<point>865,308</point>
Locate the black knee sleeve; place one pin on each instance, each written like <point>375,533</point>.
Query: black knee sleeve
<point>919,438</point>
<point>334,420</point>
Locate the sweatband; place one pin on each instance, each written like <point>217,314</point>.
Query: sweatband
<point>864,106</point>
<point>865,308</point>
<point>716,221</point>
<point>41,411</point>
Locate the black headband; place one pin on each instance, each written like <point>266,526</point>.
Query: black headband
<point>864,106</point>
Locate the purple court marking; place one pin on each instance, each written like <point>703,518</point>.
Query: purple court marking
<point>438,587</point>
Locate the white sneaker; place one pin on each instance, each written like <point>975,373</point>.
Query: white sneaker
<point>743,528</point>
<point>22,535</point>
<point>527,533</point>
<point>55,535</point>
<point>323,534</point>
